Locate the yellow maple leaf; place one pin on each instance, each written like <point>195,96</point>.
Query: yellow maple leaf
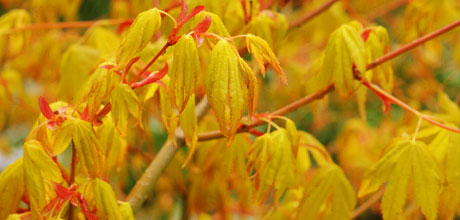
<point>139,34</point>
<point>40,174</point>
<point>262,53</point>
<point>226,87</point>
<point>327,193</point>
<point>188,123</point>
<point>273,160</point>
<point>344,48</point>
<point>404,160</point>
<point>76,64</point>
<point>184,73</point>
<point>12,188</point>
<point>87,146</point>
<point>100,194</point>
<point>124,102</point>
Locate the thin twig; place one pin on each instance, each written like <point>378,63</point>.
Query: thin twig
<point>366,205</point>
<point>377,90</point>
<point>282,111</point>
<point>413,44</point>
<point>71,24</point>
<point>299,103</point>
<point>302,20</point>
<point>146,67</point>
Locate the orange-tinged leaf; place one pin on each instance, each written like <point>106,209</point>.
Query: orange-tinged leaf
<point>377,45</point>
<point>98,88</point>
<point>185,70</point>
<point>12,188</point>
<point>251,85</point>
<point>263,54</point>
<point>139,34</point>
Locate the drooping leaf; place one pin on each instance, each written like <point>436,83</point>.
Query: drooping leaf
<point>126,211</point>
<point>138,36</point>
<point>225,87</point>
<point>404,160</point>
<point>185,70</point>
<point>12,188</point>
<point>328,183</point>
<point>169,116</point>
<point>98,88</point>
<point>188,123</point>
<point>344,48</point>
<point>40,174</point>
<point>113,145</point>
<point>124,102</point>
<point>101,195</point>
<point>251,85</point>
<point>273,160</point>
<point>87,146</point>
<point>293,135</point>
<point>263,54</point>
<point>450,198</point>
<point>377,45</point>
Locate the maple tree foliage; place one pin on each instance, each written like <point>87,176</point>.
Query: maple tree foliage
<point>268,109</point>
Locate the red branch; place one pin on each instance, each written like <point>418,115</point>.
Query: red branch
<point>71,24</point>
<point>319,94</point>
<point>302,20</point>
<point>413,44</point>
<point>282,111</point>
